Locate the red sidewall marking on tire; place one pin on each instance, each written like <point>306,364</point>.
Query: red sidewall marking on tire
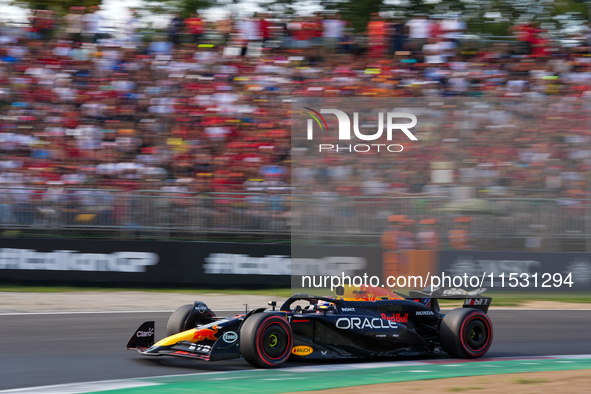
<point>484,348</point>
<point>262,355</point>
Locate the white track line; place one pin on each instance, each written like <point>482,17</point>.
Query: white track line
<point>97,386</point>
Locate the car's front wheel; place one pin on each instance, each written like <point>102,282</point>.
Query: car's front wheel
<point>466,333</point>
<point>266,340</point>
<point>187,317</point>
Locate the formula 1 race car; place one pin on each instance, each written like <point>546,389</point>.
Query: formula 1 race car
<point>374,322</point>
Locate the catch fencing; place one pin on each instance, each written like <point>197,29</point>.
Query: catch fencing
<point>503,224</point>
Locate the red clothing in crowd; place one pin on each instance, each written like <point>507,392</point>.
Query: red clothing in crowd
<point>264,28</point>
<point>194,25</point>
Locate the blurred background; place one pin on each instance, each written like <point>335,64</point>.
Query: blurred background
<point>148,144</point>
<point>170,120</point>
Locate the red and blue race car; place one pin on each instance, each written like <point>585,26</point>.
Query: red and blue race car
<point>367,322</point>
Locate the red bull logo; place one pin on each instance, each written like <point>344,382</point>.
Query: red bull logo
<point>205,334</point>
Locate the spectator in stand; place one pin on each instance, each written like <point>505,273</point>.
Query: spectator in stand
<point>175,29</point>
<point>130,29</point>
<point>438,50</point>
<point>539,43</point>
<point>391,247</point>
<point>586,33</point>
<point>250,32</point>
<point>195,27</point>
<point>115,116</point>
<point>526,34</point>
<point>74,23</point>
<point>397,36</point>
<point>264,28</point>
<point>299,34</point>
<point>419,31</point>
<point>427,237</point>
<point>34,22</point>
<point>432,51</point>
<point>91,22</point>
<point>436,27</point>
<point>452,28</point>
<point>309,33</point>
<point>46,24</point>
<point>160,46</point>
<point>406,237</point>
<point>224,28</point>
<point>333,31</point>
<point>376,36</point>
<point>459,236</point>
<point>397,240</point>
<point>317,31</point>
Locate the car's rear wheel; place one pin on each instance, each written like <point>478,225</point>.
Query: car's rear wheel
<point>187,317</point>
<point>266,340</point>
<point>466,333</point>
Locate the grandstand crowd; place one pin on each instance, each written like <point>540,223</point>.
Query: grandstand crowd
<point>204,106</point>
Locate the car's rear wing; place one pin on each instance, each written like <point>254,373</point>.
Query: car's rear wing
<point>472,299</point>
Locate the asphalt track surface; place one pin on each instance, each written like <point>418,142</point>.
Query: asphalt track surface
<point>48,349</point>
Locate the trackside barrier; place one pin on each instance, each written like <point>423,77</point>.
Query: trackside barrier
<point>239,265</point>
<point>140,263</point>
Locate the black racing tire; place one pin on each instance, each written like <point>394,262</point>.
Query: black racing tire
<point>266,340</point>
<point>466,333</point>
<point>176,321</point>
<point>184,318</point>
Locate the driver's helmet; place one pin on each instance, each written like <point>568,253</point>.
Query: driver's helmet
<point>320,303</point>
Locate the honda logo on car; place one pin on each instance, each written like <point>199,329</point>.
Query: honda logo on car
<point>230,337</point>
<point>346,323</point>
<point>143,334</point>
<point>424,313</point>
<point>302,350</point>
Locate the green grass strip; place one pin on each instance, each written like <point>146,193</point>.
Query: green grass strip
<point>321,377</point>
